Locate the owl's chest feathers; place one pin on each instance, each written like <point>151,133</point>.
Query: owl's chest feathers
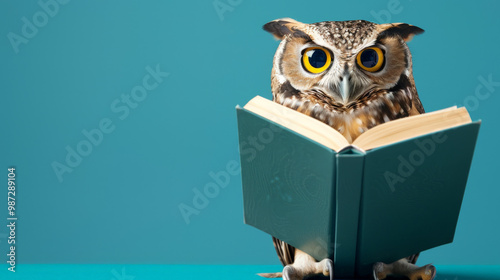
<point>354,118</point>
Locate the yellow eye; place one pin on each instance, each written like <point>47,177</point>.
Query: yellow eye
<point>370,59</point>
<point>316,59</point>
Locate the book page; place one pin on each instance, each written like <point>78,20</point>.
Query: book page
<point>298,122</point>
<point>380,135</point>
<point>413,126</point>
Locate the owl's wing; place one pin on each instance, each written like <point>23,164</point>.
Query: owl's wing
<point>413,258</point>
<point>285,251</point>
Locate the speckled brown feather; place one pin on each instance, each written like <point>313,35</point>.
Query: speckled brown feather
<point>285,251</point>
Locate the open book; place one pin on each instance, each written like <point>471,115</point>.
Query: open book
<point>384,134</point>
<point>395,191</point>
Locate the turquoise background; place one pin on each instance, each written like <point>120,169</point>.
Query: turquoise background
<point>120,204</point>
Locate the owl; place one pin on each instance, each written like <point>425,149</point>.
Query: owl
<point>351,75</point>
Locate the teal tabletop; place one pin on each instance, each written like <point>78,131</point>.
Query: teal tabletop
<point>198,272</point>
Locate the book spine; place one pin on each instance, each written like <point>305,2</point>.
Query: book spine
<point>349,182</point>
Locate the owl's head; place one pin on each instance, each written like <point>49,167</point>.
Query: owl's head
<point>340,60</point>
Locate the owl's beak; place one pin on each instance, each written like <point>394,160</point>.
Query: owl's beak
<point>345,87</point>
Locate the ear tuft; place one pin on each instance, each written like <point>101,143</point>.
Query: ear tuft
<point>404,30</point>
<point>285,26</point>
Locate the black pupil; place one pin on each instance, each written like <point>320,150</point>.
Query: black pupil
<point>369,58</point>
<point>317,58</point>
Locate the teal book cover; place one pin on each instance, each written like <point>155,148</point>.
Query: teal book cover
<point>355,207</point>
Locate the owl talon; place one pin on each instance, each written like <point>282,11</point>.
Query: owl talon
<point>427,272</point>
<point>379,271</point>
<point>403,268</point>
<point>304,267</point>
<point>290,273</point>
<point>328,270</point>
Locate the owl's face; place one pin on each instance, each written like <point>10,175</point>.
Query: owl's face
<point>340,61</point>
